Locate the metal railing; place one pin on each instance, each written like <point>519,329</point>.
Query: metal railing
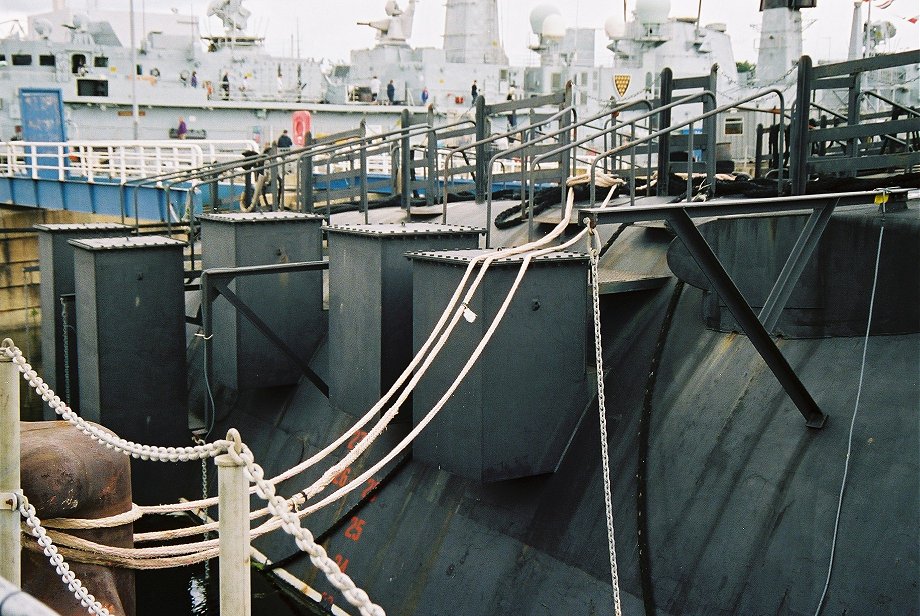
<point>858,136</point>
<point>117,161</point>
<point>689,123</point>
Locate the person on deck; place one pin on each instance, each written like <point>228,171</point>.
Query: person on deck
<point>284,141</point>
<point>474,91</point>
<point>391,92</point>
<point>182,131</point>
<point>194,80</point>
<point>425,96</point>
<point>375,89</point>
<point>225,85</point>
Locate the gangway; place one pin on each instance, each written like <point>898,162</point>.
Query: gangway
<point>89,176</point>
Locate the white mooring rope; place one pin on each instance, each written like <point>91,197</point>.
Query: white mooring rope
<point>233,446</point>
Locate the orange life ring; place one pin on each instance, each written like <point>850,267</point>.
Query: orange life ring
<point>302,124</point>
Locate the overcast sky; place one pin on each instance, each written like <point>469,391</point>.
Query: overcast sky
<point>327,29</point>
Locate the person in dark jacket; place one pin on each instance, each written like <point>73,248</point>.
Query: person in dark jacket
<point>474,91</point>
<point>284,141</point>
<point>391,92</point>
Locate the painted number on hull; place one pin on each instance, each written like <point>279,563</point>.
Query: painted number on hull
<point>360,434</point>
<point>355,528</point>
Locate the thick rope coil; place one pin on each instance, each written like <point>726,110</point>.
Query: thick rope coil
<point>128,517</point>
<point>601,180</point>
<point>27,511</point>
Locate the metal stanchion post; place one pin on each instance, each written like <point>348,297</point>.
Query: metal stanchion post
<point>233,508</point>
<point>10,545</point>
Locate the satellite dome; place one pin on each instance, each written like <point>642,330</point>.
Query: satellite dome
<point>539,14</point>
<point>42,27</point>
<point>615,27</point>
<point>80,21</point>
<point>653,11</point>
<point>553,27</point>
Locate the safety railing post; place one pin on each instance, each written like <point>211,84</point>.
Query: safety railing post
<point>233,510</point>
<point>10,546</point>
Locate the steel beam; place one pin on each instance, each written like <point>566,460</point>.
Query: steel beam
<point>732,207</point>
<point>801,254</point>
<point>725,287</point>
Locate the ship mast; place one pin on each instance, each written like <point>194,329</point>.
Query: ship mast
<point>135,116</point>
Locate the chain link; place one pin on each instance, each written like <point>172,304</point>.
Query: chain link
<point>602,413</point>
<point>27,511</point>
<point>233,445</point>
<point>290,522</point>
<point>135,450</point>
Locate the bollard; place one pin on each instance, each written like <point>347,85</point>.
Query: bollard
<point>10,545</point>
<point>233,509</point>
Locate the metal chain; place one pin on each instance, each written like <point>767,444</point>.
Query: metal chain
<point>277,505</point>
<point>135,450</point>
<point>602,414</point>
<point>87,600</point>
<point>66,344</point>
<point>290,522</point>
<point>204,496</point>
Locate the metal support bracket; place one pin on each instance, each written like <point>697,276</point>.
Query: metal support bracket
<point>223,289</point>
<point>755,331</point>
<point>801,254</point>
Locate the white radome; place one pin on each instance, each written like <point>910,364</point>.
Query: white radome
<point>653,11</point>
<point>539,14</point>
<point>553,27</point>
<point>615,27</point>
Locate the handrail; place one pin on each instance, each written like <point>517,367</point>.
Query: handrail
<point>615,127</point>
<point>897,105</point>
<point>448,162</point>
<point>690,122</point>
<point>546,155</point>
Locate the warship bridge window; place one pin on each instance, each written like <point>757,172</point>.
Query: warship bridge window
<point>92,87</point>
<point>46,60</point>
<point>22,59</point>
<point>100,61</point>
<point>78,64</point>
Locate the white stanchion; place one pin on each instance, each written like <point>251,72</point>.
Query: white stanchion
<point>233,509</point>
<point>10,543</point>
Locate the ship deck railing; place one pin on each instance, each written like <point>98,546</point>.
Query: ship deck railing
<point>114,161</point>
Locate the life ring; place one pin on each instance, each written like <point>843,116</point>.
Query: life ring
<point>302,123</point>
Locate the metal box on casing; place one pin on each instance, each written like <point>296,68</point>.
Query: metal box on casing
<point>130,300</point>
<point>291,304</point>
<point>55,259</point>
<point>370,304</point>
<point>514,413</point>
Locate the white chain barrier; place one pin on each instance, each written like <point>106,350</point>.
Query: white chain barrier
<point>239,451</point>
<point>27,510</point>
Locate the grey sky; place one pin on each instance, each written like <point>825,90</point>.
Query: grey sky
<point>328,29</point>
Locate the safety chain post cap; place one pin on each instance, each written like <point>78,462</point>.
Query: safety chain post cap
<point>6,346</point>
<point>234,450</point>
<point>11,501</point>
